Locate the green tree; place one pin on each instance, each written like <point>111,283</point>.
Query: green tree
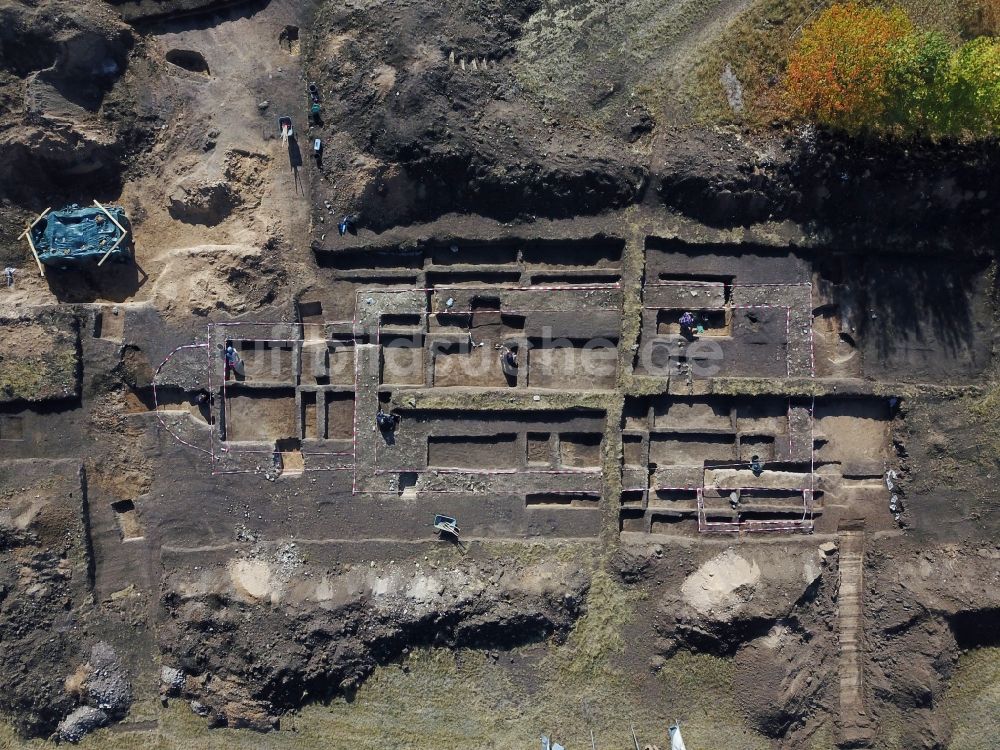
<point>916,83</point>
<point>974,88</point>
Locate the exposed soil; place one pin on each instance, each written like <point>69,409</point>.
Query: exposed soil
<point>774,526</point>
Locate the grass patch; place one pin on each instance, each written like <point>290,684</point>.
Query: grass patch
<point>40,362</point>
<point>591,61</point>
<point>756,46</point>
<point>972,701</point>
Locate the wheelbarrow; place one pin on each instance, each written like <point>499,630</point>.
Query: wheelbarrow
<point>446,525</point>
<point>285,127</point>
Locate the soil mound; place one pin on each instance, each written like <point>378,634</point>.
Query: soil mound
<point>77,118</point>
<point>256,642</point>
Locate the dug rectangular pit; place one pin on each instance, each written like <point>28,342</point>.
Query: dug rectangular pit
<point>472,278</point>
<point>368,260</point>
<point>632,498</point>
<point>109,324</point>
<point>289,458</point>
<point>403,361</point>
<point>668,523</point>
<point>339,416</point>
<point>272,362</point>
<point>673,499</point>
<point>408,485</point>
<point>762,416</point>
<point>574,279</point>
<point>711,322</point>
<point>853,430</point>
<point>406,321</point>
<point>127,519</point>
<point>682,414</point>
<point>690,448</point>
<point>632,519</point>
<point>478,254</point>
<point>473,451</point>
<point>835,352</point>
<point>260,414</point>
<point>459,365</point>
<point>450,322</point>
<point>310,315</point>
<point>315,363</point>
<point>632,446</point>
<point>340,363</point>
<point>740,263</point>
<point>597,252</point>
<point>310,417</point>
<point>572,367</point>
<point>757,445</point>
<point>580,450</point>
<point>539,450</point>
<point>562,500</point>
<point>344,291</point>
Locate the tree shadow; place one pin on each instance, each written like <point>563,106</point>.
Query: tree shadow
<point>923,302</point>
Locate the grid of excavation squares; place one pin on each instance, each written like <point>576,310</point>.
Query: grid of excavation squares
<point>293,405</point>
<point>752,309</point>
<point>297,399</point>
<point>551,458</point>
<point>561,338</point>
<point>688,459</point>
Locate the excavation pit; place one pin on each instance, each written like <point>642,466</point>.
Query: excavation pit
<point>190,60</point>
<point>127,519</point>
<point>259,414</point>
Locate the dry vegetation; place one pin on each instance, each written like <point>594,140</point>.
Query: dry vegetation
<point>757,43</point>
<point>973,700</point>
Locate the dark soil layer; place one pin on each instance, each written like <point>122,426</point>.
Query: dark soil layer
<point>444,137</point>
<point>144,554</point>
<point>942,195</point>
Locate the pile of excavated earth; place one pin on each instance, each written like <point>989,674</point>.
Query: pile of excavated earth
<point>679,423</point>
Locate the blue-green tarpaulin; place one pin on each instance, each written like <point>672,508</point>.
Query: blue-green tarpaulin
<point>73,235</point>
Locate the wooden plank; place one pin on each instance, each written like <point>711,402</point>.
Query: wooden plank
<point>108,213</point>
<point>32,224</point>
<point>41,271</point>
<point>101,261</point>
<point>120,227</point>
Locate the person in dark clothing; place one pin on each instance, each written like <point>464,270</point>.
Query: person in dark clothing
<point>385,421</point>
<point>686,322</point>
<point>348,224</point>
<point>756,466</point>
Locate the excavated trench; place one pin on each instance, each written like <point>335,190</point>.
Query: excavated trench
<point>819,325</point>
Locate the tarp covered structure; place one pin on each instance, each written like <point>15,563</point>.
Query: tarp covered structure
<point>73,235</point>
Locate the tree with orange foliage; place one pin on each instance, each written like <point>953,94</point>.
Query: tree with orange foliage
<point>837,72</point>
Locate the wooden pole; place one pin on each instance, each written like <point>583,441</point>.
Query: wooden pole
<point>41,271</point>
<point>32,224</point>
<point>634,739</point>
<point>113,219</point>
<point>111,250</point>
